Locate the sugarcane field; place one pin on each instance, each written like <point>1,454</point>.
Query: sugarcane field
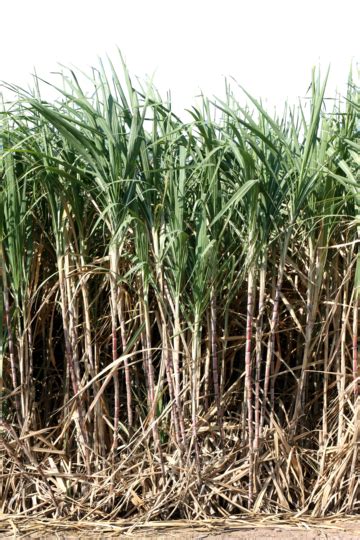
<point>179,350</point>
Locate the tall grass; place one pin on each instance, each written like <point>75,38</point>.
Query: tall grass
<point>180,304</point>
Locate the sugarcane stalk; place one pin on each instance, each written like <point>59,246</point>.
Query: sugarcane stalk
<point>355,347</point>
<point>258,347</point>
<point>215,361</point>
<point>113,255</point>
<point>248,380</point>
<point>121,316</point>
<point>11,345</point>
<point>70,357</point>
<point>273,324</point>
<point>150,376</point>
<point>176,363</point>
<point>194,386</point>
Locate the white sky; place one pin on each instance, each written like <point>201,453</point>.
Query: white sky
<point>269,47</point>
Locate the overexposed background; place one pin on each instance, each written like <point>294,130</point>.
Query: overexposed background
<point>268,46</point>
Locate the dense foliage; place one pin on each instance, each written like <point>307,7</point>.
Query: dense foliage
<point>180,304</point>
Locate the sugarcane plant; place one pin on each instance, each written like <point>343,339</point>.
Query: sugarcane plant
<point>179,302</point>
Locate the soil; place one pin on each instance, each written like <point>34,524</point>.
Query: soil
<point>250,534</point>
<point>346,529</point>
